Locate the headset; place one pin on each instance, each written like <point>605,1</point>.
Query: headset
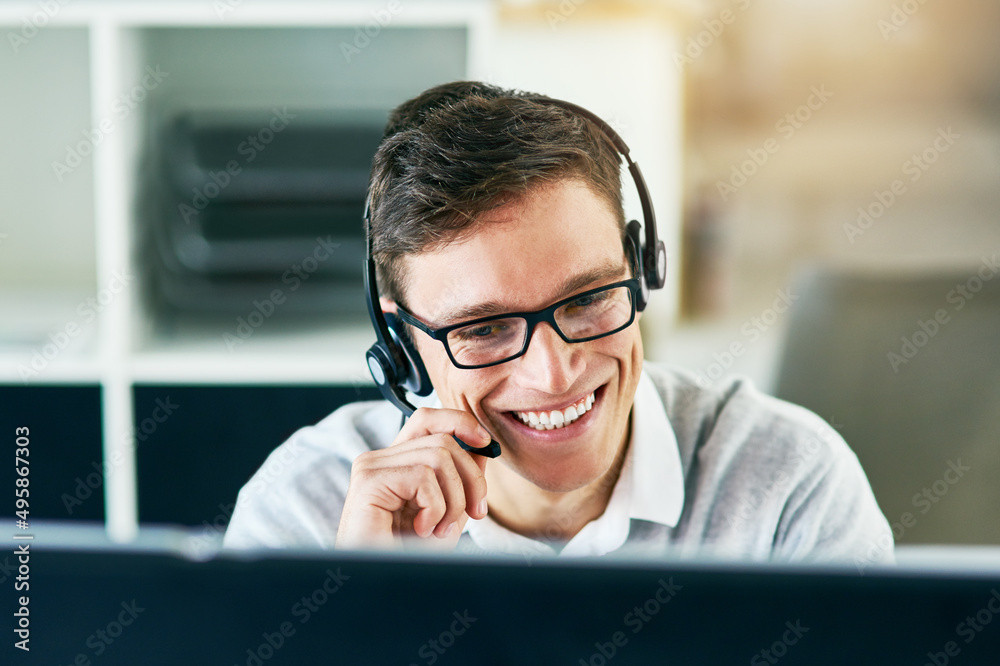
<point>394,362</point>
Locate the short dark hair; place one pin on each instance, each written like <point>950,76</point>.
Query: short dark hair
<point>461,149</point>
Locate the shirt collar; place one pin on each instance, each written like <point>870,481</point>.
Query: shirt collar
<point>650,487</point>
<point>658,489</point>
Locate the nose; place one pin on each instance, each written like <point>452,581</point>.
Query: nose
<point>550,364</point>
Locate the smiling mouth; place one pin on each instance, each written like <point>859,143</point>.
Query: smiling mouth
<point>557,418</point>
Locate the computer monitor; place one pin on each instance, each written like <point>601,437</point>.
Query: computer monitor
<point>169,604</point>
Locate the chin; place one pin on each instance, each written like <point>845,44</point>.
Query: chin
<point>565,473</point>
<point>560,482</point>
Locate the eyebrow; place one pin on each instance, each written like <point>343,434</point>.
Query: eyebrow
<point>603,273</point>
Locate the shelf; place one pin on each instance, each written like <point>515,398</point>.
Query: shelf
<point>48,336</point>
<point>290,352</point>
<point>87,90</point>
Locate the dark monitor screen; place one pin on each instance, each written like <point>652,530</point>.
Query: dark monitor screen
<point>110,606</point>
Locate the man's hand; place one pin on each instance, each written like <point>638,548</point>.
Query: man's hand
<point>424,484</point>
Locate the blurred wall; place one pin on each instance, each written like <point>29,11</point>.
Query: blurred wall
<point>850,133</point>
<point>613,57</point>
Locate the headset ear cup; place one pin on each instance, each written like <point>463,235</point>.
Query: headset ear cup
<point>413,375</point>
<point>659,271</point>
<point>380,365</point>
<point>633,234</point>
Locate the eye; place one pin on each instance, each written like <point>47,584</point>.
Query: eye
<point>587,302</point>
<point>481,332</point>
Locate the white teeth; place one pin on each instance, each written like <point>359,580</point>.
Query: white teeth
<point>557,418</point>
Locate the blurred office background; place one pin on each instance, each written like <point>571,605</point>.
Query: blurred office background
<point>182,183</point>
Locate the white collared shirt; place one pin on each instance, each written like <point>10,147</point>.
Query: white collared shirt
<point>650,487</point>
<point>722,470</point>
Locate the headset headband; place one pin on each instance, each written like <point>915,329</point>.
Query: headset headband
<point>654,258</point>
<point>394,363</point>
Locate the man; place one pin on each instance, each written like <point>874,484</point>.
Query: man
<point>484,203</point>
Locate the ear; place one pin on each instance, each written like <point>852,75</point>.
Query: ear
<point>387,304</point>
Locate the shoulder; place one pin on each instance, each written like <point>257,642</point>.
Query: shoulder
<point>733,418</point>
<point>339,438</point>
<point>295,498</point>
<point>765,477</point>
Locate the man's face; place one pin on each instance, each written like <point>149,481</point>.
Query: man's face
<point>559,240</point>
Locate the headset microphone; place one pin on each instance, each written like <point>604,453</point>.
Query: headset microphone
<point>395,364</point>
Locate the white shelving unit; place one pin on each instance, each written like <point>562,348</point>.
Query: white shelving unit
<point>69,234</point>
<point>81,83</point>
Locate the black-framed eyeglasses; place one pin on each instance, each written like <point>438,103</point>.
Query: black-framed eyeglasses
<point>487,341</point>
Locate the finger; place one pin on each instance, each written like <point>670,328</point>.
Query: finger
<point>427,496</point>
<point>434,543</point>
<point>483,506</point>
<point>442,460</point>
<point>377,497</point>
<point>460,475</point>
<point>472,469</point>
<point>429,421</point>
